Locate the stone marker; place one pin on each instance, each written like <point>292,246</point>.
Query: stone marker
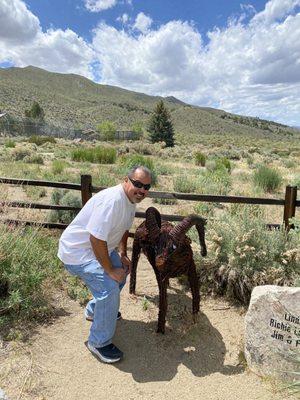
<point>272,331</point>
<point>2,395</point>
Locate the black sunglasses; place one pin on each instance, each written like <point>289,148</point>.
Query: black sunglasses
<point>139,184</point>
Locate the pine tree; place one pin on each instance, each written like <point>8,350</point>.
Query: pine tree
<point>160,125</point>
<point>36,112</point>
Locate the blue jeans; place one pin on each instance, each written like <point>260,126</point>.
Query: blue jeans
<point>105,304</point>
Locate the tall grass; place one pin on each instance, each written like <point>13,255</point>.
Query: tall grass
<point>267,178</point>
<point>27,262</point>
<point>99,155</point>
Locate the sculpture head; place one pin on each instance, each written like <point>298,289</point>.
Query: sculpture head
<point>167,244</point>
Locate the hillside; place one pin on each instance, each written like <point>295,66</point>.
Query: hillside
<point>75,101</point>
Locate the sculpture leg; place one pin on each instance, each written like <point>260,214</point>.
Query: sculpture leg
<point>195,289</point>
<point>163,304</point>
<point>136,250</point>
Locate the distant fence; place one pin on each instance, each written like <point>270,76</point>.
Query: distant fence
<point>28,127</point>
<point>289,203</point>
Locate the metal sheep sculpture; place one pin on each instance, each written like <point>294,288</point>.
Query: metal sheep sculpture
<point>169,251</point>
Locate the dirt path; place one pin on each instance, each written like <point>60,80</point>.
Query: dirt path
<point>191,361</point>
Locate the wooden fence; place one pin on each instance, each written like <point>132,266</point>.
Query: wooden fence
<point>289,203</point>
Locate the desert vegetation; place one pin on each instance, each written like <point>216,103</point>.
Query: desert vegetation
<point>208,152</point>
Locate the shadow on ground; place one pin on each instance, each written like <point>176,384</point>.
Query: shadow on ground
<point>154,357</point>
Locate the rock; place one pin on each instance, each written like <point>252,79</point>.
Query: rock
<point>2,395</point>
<point>272,331</point>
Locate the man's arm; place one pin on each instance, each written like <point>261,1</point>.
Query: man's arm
<point>101,252</point>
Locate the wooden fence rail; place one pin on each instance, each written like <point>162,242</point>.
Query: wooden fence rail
<point>86,188</point>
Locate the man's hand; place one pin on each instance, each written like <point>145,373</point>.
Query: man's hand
<point>126,264</point>
<point>117,274</point>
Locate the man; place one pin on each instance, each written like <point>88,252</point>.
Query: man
<point>87,249</point>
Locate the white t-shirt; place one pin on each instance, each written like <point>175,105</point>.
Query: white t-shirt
<point>106,216</point>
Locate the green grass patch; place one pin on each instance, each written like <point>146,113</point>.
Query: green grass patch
<point>267,179</point>
<point>99,155</point>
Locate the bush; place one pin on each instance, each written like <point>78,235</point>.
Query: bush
<point>245,254</point>
<point>58,166</point>
<point>267,179</point>
<point>10,143</point>
<point>165,202</point>
<point>19,154</point>
<point>100,155</point>
<point>34,159</point>
<point>27,260</point>
<point>39,140</point>
<point>200,159</point>
<point>64,198</point>
<point>185,184</point>
<point>216,182</point>
<point>130,161</point>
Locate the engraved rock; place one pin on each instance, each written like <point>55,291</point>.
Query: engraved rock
<point>272,331</point>
<point>3,395</point>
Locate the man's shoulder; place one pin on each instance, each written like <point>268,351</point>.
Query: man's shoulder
<point>112,195</point>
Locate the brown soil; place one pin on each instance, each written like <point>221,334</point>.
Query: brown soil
<point>191,361</point>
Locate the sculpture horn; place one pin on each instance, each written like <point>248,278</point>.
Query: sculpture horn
<point>179,231</point>
<point>153,223</point>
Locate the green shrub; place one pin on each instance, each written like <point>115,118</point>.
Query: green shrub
<point>204,209</point>
<point>39,140</point>
<point>27,260</point>
<point>166,202</point>
<point>105,180</point>
<point>267,179</point>
<point>19,154</point>
<point>58,166</point>
<point>185,184</point>
<point>34,192</point>
<point>34,159</point>
<point>245,254</point>
<point>200,158</point>
<point>10,143</point>
<point>223,162</point>
<point>217,182</point>
<point>99,155</point>
<point>129,161</point>
<point>64,198</point>
<point>163,169</point>
<point>296,181</point>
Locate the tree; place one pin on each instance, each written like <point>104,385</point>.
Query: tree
<point>160,125</point>
<point>107,129</point>
<point>36,112</point>
<point>137,128</point>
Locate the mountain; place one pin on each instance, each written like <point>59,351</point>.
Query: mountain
<point>72,100</point>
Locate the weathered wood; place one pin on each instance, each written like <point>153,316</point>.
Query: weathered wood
<point>289,205</point>
<point>86,188</point>
<point>39,206</point>
<point>51,225</point>
<point>48,225</point>
<point>207,197</point>
<point>62,185</point>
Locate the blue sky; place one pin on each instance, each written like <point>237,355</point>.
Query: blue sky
<point>240,57</point>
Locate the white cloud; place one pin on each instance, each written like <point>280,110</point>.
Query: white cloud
<point>124,18</point>
<point>276,9</point>
<point>250,67</point>
<point>99,5</point>
<point>142,22</point>
<point>54,50</point>
<point>17,23</point>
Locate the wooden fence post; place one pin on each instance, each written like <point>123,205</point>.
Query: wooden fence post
<point>86,188</point>
<point>289,205</point>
